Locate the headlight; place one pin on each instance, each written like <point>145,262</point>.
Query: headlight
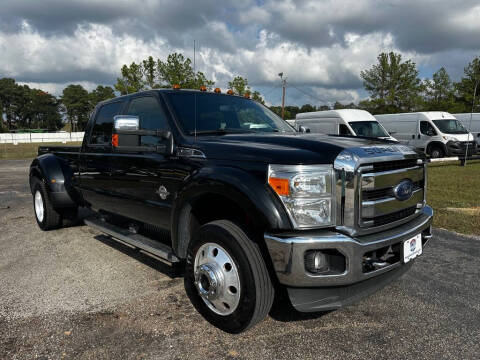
<point>307,191</point>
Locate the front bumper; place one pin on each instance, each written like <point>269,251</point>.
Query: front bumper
<point>287,251</point>
<point>460,148</point>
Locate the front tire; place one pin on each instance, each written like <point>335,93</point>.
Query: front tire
<point>47,217</point>
<point>226,277</point>
<point>436,152</point>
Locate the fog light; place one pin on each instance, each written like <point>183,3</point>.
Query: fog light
<point>316,262</point>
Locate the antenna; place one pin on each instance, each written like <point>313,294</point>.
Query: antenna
<point>194,70</point>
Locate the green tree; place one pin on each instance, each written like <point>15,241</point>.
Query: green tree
<point>76,105</point>
<point>307,108</point>
<point>468,87</point>
<point>132,79</point>
<point>150,73</point>
<point>258,97</point>
<point>154,74</point>
<point>239,85</point>
<point>46,111</point>
<point>393,85</point>
<point>101,93</point>
<point>439,92</point>
<point>7,90</point>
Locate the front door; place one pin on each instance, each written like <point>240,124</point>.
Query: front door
<point>143,182</point>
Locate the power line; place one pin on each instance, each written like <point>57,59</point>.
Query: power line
<point>310,95</point>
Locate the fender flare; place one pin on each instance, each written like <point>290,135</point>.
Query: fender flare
<point>252,195</point>
<point>57,175</point>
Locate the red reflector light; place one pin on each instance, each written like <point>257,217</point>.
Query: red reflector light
<point>115,140</point>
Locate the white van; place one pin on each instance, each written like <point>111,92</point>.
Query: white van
<point>342,122</point>
<point>437,133</point>
<point>471,122</point>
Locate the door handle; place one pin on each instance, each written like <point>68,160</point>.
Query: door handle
<point>419,136</point>
<point>413,136</point>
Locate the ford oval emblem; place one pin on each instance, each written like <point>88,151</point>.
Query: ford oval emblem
<point>404,190</point>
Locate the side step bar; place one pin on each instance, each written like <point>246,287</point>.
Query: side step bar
<point>136,240</point>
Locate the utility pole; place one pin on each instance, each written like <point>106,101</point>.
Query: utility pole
<point>284,84</point>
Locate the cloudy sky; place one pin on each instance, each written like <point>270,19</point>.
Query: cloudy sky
<point>321,46</point>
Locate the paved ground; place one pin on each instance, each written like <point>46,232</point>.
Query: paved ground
<point>74,293</point>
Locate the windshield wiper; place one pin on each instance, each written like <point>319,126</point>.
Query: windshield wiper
<point>220,131</point>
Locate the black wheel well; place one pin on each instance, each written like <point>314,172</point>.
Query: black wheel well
<point>435,144</point>
<point>34,174</point>
<point>210,207</point>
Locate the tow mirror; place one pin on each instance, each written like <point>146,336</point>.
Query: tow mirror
<point>127,136</point>
<point>303,129</point>
<point>126,122</point>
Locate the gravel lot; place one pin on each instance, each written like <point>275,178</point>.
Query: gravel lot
<point>74,293</point>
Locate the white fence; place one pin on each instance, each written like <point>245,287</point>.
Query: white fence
<point>64,137</point>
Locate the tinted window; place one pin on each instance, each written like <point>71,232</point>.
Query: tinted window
<point>450,126</point>
<point>368,128</point>
<point>213,112</point>
<point>102,129</point>
<point>343,130</point>
<point>427,129</point>
<point>151,116</point>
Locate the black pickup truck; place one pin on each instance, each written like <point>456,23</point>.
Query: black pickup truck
<point>251,208</point>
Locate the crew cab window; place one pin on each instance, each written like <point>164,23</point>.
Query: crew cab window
<point>427,129</point>
<point>151,117</point>
<point>102,129</point>
<point>343,130</point>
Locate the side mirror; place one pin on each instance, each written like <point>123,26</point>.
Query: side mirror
<point>127,136</point>
<point>303,129</point>
<point>126,122</point>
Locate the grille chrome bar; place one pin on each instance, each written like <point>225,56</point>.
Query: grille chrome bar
<point>372,209</point>
<point>391,178</point>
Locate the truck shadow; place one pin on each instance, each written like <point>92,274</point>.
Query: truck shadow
<point>172,271</point>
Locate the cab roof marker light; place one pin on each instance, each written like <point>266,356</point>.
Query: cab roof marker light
<point>176,87</point>
<point>217,91</point>
<point>230,92</point>
<point>203,88</point>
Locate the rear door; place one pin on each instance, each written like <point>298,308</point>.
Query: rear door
<point>95,158</point>
<point>143,181</point>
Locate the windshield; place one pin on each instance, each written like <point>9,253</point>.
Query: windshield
<point>219,114</point>
<point>368,128</point>
<point>450,126</point>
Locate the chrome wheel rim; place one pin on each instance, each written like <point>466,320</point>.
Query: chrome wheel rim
<point>216,279</point>
<point>39,210</point>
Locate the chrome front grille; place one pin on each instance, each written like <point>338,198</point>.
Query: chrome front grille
<point>365,181</point>
<point>377,204</point>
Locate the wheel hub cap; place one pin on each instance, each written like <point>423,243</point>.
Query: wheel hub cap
<point>217,279</point>
<point>38,201</point>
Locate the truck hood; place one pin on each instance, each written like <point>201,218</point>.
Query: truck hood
<point>295,148</point>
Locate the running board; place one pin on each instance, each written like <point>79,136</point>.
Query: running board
<point>136,240</point>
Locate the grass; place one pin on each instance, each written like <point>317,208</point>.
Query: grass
<point>454,193</point>
<point>25,151</point>
<point>453,190</point>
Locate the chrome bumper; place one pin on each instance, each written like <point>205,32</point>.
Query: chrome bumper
<point>287,251</point>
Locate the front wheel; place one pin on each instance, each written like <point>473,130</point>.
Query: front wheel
<point>226,277</point>
<point>436,152</point>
